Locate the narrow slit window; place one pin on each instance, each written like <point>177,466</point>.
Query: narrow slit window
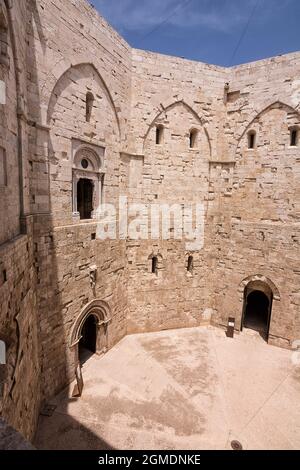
<point>3,173</point>
<point>193,138</point>
<point>294,138</point>
<point>190,264</point>
<point>159,135</point>
<point>89,102</point>
<point>154,265</point>
<point>251,140</point>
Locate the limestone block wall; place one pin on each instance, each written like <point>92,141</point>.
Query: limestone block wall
<point>159,82</point>
<point>67,120</point>
<point>20,401</point>
<point>254,205</point>
<point>172,298</point>
<point>75,53</point>
<point>54,55</point>
<point>65,259</point>
<point>9,167</point>
<point>179,96</point>
<point>18,323</point>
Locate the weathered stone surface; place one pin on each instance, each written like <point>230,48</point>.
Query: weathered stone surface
<point>12,440</point>
<point>57,53</point>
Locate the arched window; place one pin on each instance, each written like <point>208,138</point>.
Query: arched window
<point>89,103</point>
<point>293,137</point>
<point>154,266</point>
<point>251,139</point>
<point>159,135</point>
<point>193,138</point>
<point>190,264</point>
<point>88,179</point>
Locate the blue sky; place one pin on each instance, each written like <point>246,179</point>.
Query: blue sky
<point>221,32</point>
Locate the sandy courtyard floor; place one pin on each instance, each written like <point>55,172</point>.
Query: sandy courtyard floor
<point>182,389</point>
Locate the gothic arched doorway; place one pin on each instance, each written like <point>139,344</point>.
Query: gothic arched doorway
<point>88,341</point>
<point>90,330</point>
<point>257,309</point>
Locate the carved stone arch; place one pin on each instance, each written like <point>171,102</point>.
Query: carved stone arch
<point>101,311</point>
<point>255,114</point>
<point>259,280</point>
<point>154,254</point>
<point>63,69</point>
<point>93,170</point>
<point>90,154</point>
<point>168,108</point>
<point>159,262</point>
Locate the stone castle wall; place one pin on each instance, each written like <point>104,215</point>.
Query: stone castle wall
<point>54,268</point>
<point>255,206</point>
<point>91,58</point>
<point>20,396</point>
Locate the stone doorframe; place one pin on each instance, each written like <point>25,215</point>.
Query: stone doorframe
<point>260,283</point>
<point>101,311</point>
<point>94,171</point>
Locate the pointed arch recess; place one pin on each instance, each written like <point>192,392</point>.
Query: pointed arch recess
<point>168,108</point>
<point>53,94</point>
<point>254,115</point>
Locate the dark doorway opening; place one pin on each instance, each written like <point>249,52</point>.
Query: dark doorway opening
<point>85,189</point>
<point>257,311</point>
<point>88,341</point>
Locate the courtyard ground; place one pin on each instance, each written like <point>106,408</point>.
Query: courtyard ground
<point>182,389</point>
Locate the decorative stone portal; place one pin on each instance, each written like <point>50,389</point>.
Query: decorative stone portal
<point>88,177</point>
<point>257,308</point>
<point>90,331</point>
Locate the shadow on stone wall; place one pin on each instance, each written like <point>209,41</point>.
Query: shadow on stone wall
<point>53,339</point>
<point>33,321</point>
